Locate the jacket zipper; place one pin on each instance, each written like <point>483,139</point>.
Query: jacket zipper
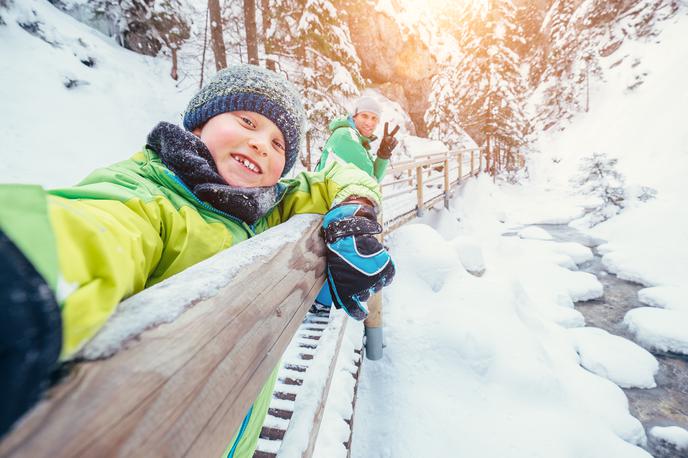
<point>244,424</point>
<point>248,227</point>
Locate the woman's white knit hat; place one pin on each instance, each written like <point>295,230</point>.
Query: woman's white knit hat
<point>367,104</point>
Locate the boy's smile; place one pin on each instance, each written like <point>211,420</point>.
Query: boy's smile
<point>248,148</point>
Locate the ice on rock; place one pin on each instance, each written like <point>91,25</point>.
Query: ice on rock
<point>615,358</point>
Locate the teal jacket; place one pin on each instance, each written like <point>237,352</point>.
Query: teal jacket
<point>347,144</point>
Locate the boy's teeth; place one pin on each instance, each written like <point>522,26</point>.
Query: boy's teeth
<point>248,164</point>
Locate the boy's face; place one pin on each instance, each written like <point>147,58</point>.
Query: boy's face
<point>366,122</point>
<point>248,148</point>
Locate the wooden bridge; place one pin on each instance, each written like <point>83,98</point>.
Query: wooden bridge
<point>183,388</point>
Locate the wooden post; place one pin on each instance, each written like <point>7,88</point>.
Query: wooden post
<point>446,182</point>
<point>373,323</point>
<point>419,191</point>
<point>480,159</point>
<point>473,162</point>
<point>460,167</point>
<point>410,175</point>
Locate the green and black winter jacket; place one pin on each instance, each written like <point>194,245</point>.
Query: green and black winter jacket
<point>346,144</point>
<point>134,224</point>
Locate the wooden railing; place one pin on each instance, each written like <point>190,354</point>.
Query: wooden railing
<point>183,388</point>
<point>416,185</point>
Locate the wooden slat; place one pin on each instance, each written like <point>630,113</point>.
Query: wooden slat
<point>183,388</point>
<point>317,419</point>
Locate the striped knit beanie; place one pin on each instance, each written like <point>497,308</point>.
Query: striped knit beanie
<point>252,88</point>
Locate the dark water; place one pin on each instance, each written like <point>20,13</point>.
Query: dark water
<point>664,405</point>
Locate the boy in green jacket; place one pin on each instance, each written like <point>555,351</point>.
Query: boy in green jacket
<point>69,256</point>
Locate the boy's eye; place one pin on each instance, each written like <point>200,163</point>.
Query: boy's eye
<point>248,121</point>
<point>278,145</point>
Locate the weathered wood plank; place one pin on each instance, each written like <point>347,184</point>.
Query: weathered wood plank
<point>183,388</point>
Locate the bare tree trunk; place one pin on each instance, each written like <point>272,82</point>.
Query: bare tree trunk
<point>205,46</point>
<point>251,31</point>
<point>173,73</point>
<point>267,41</point>
<point>216,34</point>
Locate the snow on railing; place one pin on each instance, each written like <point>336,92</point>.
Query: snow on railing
<point>183,388</point>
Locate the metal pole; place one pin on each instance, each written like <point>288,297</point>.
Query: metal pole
<point>373,323</point>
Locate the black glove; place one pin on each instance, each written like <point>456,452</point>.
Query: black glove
<point>388,143</point>
<point>357,263</point>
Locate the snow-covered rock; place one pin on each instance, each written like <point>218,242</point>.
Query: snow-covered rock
<point>470,253</point>
<point>534,232</point>
<point>660,329</point>
<point>673,435</point>
<point>424,250</point>
<point>668,297</point>
<point>615,358</point>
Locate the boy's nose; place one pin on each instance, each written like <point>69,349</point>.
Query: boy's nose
<point>259,145</point>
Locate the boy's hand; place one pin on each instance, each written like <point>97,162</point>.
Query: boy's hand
<point>388,143</point>
<point>357,264</point>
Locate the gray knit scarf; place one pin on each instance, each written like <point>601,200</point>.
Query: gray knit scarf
<point>188,157</point>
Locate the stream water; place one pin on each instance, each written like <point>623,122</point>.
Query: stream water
<point>664,405</point>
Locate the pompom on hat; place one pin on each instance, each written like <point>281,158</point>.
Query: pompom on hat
<point>252,88</point>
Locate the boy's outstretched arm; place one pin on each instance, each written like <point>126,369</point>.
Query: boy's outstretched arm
<point>318,192</point>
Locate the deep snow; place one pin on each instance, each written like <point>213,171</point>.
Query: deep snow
<point>490,365</point>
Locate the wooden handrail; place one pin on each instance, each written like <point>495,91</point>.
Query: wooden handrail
<point>183,388</point>
<point>448,163</point>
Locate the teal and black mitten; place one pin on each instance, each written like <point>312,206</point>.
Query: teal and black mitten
<point>357,263</point>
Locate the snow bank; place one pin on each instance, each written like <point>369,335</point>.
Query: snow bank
<point>615,358</point>
<point>496,346</point>
<point>668,297</point>
<point>74,100</point>
<point>432,258</point>
<point>534,232</point>
<point>659,329</point>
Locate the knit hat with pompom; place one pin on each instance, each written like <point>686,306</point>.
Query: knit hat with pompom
<point>252,88</point>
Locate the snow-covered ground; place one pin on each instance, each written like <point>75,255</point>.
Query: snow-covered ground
<point>54,135</point>
<point>500,365</point>
<point>496,365</point>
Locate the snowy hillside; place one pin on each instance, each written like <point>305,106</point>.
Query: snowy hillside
<point>72,99</point>
<point>644,128</point>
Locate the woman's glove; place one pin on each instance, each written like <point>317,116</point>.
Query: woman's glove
<point>388,143</point>
<point>357,263</point>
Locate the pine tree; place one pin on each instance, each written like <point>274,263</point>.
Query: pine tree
<point>330,68</point>
<point>598,177</point>
<point>486,85</point>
